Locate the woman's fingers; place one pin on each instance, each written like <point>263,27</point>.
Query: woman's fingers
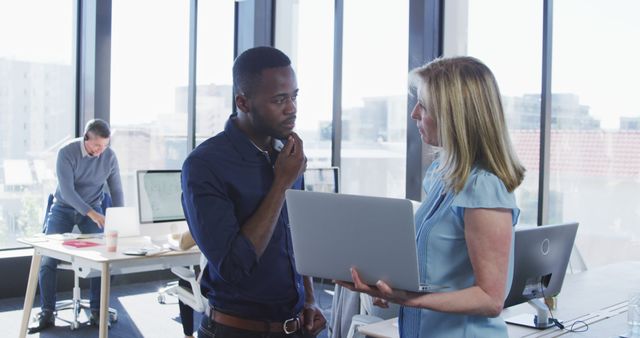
<point>384,288</point>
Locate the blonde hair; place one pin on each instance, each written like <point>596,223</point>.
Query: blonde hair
<point>463,96</point>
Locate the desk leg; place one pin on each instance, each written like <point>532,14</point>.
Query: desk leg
<point>32,284</point>
<point>104,300</point>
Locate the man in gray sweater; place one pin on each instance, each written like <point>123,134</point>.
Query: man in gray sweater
<point>84,166</point>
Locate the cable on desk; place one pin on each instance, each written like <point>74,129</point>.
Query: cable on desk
<point>559,325</point>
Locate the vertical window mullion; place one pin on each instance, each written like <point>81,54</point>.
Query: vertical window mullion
<point>545,113</point>
<point>336,123</point>
<point>191,98</point>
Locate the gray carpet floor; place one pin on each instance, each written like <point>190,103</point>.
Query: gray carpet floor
<point>139,314</point>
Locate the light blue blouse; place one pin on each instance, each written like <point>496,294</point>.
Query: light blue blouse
<point>443,255</point>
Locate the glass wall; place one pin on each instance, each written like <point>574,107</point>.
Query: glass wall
<point>511,45</point>
<point>37,108</point>
<point>374,97</point>
<point>304,31</point>
<point>149,77</point>
<point>595,128</point>
<point>214,94</point>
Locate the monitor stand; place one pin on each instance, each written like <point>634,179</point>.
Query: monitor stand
<point>160,240</point>
<point>160,233</point>
<point>541,320</point>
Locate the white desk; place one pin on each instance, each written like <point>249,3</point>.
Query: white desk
<point>96,261</point>
<point>597,296</point>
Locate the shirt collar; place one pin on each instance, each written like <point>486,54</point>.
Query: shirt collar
<point>247,149</point>
<point>276,144</point>
<point>83,149</point>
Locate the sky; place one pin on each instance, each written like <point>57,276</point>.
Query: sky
<point>150,57</point>
<point>595,49</point>
<point>584,31</point>
<point>374,54</point>
<point>29,27</point>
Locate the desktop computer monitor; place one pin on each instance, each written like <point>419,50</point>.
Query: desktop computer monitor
<point>159,203</point>
<point>322,179</point>
<point>541,256</point>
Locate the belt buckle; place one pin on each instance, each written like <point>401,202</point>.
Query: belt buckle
<point>284,325</point>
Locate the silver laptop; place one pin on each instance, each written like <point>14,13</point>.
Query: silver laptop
<point>333,232</point>
<point>122,219</point>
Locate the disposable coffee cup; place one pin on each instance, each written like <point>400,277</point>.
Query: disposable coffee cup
<point>111,239</point>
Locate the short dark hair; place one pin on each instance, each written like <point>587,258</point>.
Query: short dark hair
<point>248,67</point>
<point>97,127</point>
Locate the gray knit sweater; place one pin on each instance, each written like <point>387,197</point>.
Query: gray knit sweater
<point>81,177</point>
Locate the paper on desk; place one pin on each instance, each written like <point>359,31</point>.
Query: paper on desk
<point>35,239</point>
<point>154,252</point>
<point>94,235</point>
<point>58,237</point>
<point>72,235</point>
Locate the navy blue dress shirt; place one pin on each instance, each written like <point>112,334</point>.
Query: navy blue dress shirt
<point>224,180</point>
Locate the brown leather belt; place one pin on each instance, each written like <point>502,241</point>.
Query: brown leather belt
<point>289,326</point>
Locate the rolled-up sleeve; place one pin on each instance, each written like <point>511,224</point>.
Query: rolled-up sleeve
<point>213,224</point>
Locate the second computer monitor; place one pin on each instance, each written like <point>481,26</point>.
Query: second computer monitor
<point>541,257</point>
<point>159,202</point>
<point>322,179</point>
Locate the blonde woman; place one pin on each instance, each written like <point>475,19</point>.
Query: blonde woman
<point>464,227</point>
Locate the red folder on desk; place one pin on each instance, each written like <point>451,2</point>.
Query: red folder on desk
<point>79,244</point>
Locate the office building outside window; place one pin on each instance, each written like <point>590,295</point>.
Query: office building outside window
<point>214,98</point>
<point>37,108</point>
<point>511,45</point>
<point>149,74</point>
<point>595,127</point>
<point>304,31</point>
<point>374,97</point>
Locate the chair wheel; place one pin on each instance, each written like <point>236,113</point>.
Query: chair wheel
<point>161,299</point>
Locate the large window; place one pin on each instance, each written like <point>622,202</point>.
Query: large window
<point>374,97</point>
<point>214,100</point>
<point>37,108</point>
<point>149,77</point>
<point>304,31</point>
<point>511,45</point>
<point>595,128</point>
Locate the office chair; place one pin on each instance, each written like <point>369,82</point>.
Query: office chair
<point>76,303</point>
<point>184,242</point>
<point>187,288</point>
<point>193,298</point>
<point>370,314</point>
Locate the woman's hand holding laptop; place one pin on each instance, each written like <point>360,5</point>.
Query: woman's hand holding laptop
<point>381,292</point>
